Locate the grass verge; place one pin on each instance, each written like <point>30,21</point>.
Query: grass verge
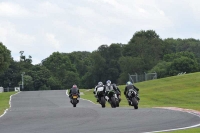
<point>4,101</point>
<point>192,130</point>
<point>178,91</point>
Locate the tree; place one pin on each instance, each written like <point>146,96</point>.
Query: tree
<point>162,69</point>
<point>54,83</point>
<point>40,75</point>
<point>103,50</point>
<point>28,83</point>
<point>130,65</point>
<point>115,51</point>
<point>98,68</point>
<point>183,64</point>
<point>58,64</point>
<point>171,57</point>
<point>81,61</point>
<point>149,34</point>
<point>5,58</point>
<point>88,81</point>
<point>70,79</point>
<point>147,46</point>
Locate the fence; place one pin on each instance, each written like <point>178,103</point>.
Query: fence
<point>142,77</point>
<point>181,73</point>
<point>9,89</point>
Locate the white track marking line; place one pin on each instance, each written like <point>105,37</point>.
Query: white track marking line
<point>178,128</point>
<point>9,104</point>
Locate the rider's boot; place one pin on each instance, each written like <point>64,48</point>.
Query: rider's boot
<point>129,102</point>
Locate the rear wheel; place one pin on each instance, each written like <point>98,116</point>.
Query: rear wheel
<point>74,102</point>
<point>103,102</point>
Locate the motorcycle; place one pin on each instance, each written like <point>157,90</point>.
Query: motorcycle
<point>101,98</point>
<point>112,98</point>
<point>74,100</point>
<point>132,97</point>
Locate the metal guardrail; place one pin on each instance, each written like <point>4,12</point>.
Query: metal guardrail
<point>181,73</point>
<point>142,77</point>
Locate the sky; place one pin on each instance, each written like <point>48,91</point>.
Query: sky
<point>41,27</point>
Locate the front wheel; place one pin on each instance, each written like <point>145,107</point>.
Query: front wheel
<point>117,102</point>
<point>134,103</point>
<point>113,102</point>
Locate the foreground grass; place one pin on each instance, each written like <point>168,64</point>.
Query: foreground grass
<point>192,130</point>
<point>178,91</point>
<point>4,101</point>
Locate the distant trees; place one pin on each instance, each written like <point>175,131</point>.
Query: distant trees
<point>5,58</point>
<point>145,52</point>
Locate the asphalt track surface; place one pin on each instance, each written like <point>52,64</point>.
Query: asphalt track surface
<point>51,112</point>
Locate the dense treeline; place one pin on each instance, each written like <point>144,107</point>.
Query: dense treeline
<point>145,52</point>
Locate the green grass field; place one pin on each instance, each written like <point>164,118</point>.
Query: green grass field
<point>178,91</point>
<point>192,130</point>
<point>4,101</point>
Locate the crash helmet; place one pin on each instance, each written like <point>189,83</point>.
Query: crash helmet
<point>74,86</point>
<point>100,83</point>
<point>129,83</point>
<point>108,82</point>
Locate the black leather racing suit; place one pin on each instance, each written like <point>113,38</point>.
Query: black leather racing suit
<point>131,87</point>
<point>74,90</point>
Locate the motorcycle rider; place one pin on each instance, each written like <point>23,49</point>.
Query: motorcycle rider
<point>109,87</point>
<point>74,90</point>
<point>118,92</point>
<point>99,86</point>
<point>117,88</point>
<point>129,86</point>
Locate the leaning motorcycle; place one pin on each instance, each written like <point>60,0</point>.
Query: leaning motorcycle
<point>74,100</point>
<point>112,98</point>
<point>132,96</point>
<point>101,98</point>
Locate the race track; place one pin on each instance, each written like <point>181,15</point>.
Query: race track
<point>51,112</point>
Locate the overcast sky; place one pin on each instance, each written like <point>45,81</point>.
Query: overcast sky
<point>41,27</point>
